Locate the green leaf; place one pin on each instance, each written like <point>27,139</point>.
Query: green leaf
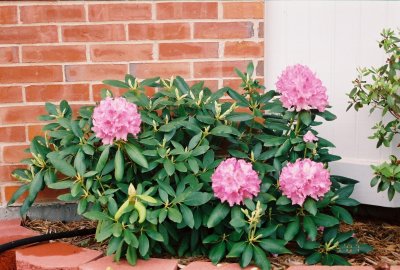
<point>116,83</point>
<point>236,250</point>
<point>187,216</point>
<point>314,258</point>
<point>239,117</point>
<point>242,101</point>
<point>274,246</point>
<point>328,116</point>
<point>119,164</point>
<point>265,232</point>
<point>36,185</point>
<point>155,235</point>
<point>143,245</point>
<point>169,166</point>
<point>342,214</point>
<point>223,130</point>
<point>305,117</point>
<point>347,202</point>
<point>135,155</point>
<point>325,220</point>
<point>131,255</point>
<point>310,206</point>
<point>247,255</point>
<point>174,215</point>
<point>103,159</point>
<point>261,259</point>
<point>146,198</point>
<point>63,167</point>
<point>194,141</point>
<point>61,184</point>
<point>218,214</point>
<point>310,228</point>
<point>250,69</point>
<point>198,198</point>
<point>21,190</point>
<point>193,165</point>
<point>217,252</point>
<point>180,83</point>
<point>96,215</point>
<point>292,229</point>
<point>131,239</point>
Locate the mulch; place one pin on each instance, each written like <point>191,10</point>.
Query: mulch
<point>382,236</point>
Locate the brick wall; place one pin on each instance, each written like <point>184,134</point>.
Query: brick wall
<point>51,51</point>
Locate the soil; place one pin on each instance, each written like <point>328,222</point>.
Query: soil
<point>383,236</point>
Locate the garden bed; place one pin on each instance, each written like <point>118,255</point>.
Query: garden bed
<point>383,236</point>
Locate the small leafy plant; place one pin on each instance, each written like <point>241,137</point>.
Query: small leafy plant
<point>379,88</point>
<point>190,171</point>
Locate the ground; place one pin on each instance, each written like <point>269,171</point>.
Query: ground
<point>383,236</point>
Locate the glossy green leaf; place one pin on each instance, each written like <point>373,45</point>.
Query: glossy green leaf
<point>218,214</point>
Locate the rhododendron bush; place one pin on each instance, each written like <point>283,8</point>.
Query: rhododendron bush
<point>193,171</point>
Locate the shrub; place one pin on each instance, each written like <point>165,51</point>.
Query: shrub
<point>202,175</point>
<point>378,88</point>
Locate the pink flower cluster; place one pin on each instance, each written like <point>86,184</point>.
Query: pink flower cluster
<point>309,137</point>
<point>304,178</point>
<point>115,119</point>
<point>300,89</point>
<point>235,180</point>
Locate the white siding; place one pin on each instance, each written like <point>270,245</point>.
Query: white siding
<point>333,38</point>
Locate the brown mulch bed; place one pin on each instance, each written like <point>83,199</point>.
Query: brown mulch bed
<point>384,237</point>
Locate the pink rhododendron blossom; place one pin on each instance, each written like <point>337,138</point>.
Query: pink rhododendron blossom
<point>115,119</point>
<point>304,178</point>
<point>309,137</point>
<point>235,180</point>
<point>300,89</point>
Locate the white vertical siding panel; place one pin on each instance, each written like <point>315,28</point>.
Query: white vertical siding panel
<point>334,38</point>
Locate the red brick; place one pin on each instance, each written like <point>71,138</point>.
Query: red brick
<point>70,92</point>
<point>27,74</point>
<point>8,14</point>
<point>319,267</point>
<point>221,266</point>
<point>37,54</point>
<point>151,264</point>
<point>95,72</point>
<point>188,50</point>
<point>244,10</point>
<point>52,13</point>
<point>244,49</point>
<point>232,83</point>
<point>15,222</point>
<point>46,195</point>
<point>14,153</point>
<point>96,88</point>
<point>121,52</point>
<point>6,171</point>
<point>119,12</point>
<point>176,10</point>
<point>218,69</point>
<point>19,114</point>
<point>223,30</point>
<point>28,34</point>
<point>159,31</point>
<point>160,69</point>
<point>54,255</point>
<point>10,94</point>
<point>261,30</point>
<point>211,84</point>
<point>8,55</point>
<point>12,134</point>
<point>260,69</point>
<point>35,130</point>
<point>11,231</point>
<point>84,33</point>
